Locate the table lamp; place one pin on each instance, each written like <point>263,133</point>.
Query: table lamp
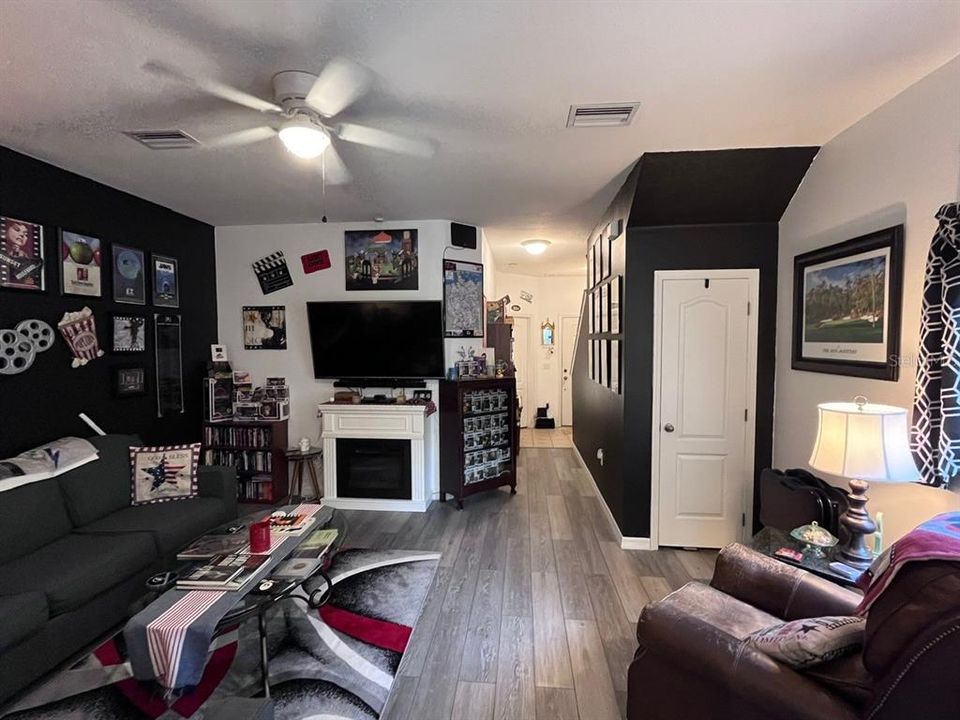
<point>862,442</point>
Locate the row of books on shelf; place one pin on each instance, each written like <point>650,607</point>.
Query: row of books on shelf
<point>245,460</point>
<point>258,487</point>
<point>251,437</point>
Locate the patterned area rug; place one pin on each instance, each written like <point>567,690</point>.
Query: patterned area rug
<point>337,663</point>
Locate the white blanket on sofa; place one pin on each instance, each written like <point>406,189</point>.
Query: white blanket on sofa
<point>46,461</point>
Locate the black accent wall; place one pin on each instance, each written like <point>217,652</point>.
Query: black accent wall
<point>42,403</point>
<point>683,210</point>
<point>689,248</point>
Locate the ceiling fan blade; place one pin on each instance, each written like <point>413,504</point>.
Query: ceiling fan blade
<point>338,86</point>
<point>332,164</point>
<point>241,137</point>
<point>350,132</point>
<point>212,87</point>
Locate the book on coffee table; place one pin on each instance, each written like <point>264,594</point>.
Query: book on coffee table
<point>223,572</point>
<point>308,555</point>
<point>214,544</point>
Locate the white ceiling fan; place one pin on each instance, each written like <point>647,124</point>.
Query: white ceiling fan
<point>305,106</point>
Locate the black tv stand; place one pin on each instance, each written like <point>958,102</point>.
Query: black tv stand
<point>381,383</point>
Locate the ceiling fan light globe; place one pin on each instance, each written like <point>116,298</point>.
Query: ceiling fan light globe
<point>535,247</point>
<point>304,139</point>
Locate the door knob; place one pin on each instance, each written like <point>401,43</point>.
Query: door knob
<point>668,428</point>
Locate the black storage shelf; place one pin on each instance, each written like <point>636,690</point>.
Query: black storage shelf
<point>464,470</point>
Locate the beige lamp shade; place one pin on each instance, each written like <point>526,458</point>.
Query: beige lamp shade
<point>864,441</point>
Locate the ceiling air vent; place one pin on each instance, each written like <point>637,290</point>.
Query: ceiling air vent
<point>163,139</point>
<point>602,115</point>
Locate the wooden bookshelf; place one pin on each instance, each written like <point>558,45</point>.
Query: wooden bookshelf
<point>257,449</point>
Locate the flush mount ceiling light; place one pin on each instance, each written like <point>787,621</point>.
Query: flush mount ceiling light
<point>304,138</point>
<point>535,247</point>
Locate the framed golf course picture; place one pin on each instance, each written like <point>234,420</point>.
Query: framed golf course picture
<point>846,307</point>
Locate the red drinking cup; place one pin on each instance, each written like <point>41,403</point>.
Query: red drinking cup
<point>260,537</point>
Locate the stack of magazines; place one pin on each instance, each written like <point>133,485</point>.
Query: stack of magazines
<point>223,572</point>
<point>222,543</point>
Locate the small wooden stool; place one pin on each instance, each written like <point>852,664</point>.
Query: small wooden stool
<point>299,458</point>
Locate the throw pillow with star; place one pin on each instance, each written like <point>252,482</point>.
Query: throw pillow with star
<point>810,641</point>
<point>162,474</point>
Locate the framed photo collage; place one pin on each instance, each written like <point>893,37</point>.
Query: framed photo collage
<point>605,300</point>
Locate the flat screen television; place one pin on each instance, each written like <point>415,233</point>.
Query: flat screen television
<point>376,339</point>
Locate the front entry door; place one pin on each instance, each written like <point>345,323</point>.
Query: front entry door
<point>707,372</point>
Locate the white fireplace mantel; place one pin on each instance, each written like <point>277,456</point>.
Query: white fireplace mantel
<point>386,422</point>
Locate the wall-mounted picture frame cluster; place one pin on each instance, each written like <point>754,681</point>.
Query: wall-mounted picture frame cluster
<point>81,266</point>
<point>601,251</point>
<point>605,330</point>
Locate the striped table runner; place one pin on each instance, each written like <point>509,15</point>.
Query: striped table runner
<point>169,640</point>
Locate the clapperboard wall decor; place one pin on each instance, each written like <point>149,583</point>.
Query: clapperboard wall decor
<point>272,272</point>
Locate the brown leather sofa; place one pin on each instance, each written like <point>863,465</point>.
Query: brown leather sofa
<point>692,661</point>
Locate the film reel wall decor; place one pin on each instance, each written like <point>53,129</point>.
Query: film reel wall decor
<point>19,346</point>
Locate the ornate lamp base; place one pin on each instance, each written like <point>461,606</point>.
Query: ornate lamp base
<point>859,524</point>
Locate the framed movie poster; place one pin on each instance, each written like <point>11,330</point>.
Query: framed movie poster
<point>129,333</point>
<point>129,381</point>
<point>265,327</point>
<point>595,251</point>
<point>462,299</point>
<point>597,308</point>
<point>603,374</point>
<point>381,259</point>
<point>80,261</point>
<point>166,281</point>
<point>166,329</point>
<point>129,276</point>
<point>21,255</point>
<point>846,306</point>
<point>590,267</point>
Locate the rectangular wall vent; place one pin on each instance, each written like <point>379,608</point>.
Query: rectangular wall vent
<point>602,115</point>
<point>163,139</point>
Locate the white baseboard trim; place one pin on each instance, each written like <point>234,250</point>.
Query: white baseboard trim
<point>626,542</point>
<point>376,504</point>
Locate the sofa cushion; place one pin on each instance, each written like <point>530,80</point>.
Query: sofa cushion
<point>76,568</point>
<point>23,615</point>
<point>103,486</point>
<point>172,525</point>
<point>30,517</point>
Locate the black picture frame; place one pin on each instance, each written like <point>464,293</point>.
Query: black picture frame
<point>814,346</point>
<point>165,273</point>
<point>128,272</point>
<point>124,337</point>
<point>129,381</point>
<point>22,255</point>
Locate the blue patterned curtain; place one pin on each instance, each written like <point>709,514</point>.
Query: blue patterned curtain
<point>935,436</point>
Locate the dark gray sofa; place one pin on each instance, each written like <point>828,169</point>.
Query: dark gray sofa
<point>74,555</point>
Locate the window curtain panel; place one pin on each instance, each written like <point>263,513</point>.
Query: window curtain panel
<point>935,435</point>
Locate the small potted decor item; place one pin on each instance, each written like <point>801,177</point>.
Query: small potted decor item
<point>304,444</point>
<point>79,330</point>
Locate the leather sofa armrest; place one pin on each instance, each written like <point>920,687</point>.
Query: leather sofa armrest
<point>749,678</point>
<point>219,481</point>
<point>777,588</point>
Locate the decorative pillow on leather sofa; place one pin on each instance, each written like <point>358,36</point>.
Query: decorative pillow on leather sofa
<point>161,474</point>
<point>810,641</point>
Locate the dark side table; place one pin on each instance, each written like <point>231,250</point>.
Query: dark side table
<point>299,459</point>
<point>769,540</point>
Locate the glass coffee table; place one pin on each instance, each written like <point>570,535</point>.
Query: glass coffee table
<point>269,592</point>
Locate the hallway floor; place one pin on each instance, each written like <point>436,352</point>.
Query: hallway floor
<point>534,606</point>
<point>561,437</point>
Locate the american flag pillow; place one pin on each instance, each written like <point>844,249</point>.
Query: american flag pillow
<point>161,474</point>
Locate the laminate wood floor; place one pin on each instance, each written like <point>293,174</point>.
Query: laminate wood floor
<point>533,608</point>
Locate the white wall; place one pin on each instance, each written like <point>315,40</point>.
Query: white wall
<point>552,297</point>
<point>896,165</point>
<point>238,246</point>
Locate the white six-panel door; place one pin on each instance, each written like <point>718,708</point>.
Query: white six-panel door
<point>703,422</point>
